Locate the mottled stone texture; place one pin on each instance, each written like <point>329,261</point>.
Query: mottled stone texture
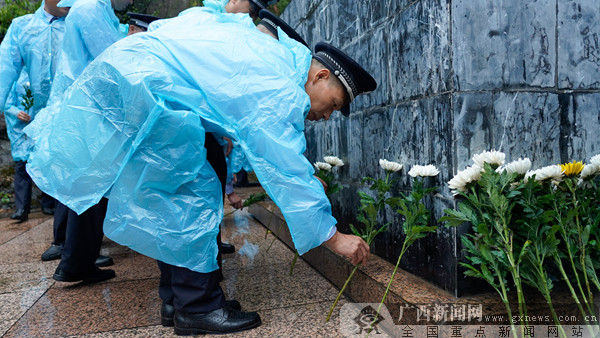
<point>456,77</point>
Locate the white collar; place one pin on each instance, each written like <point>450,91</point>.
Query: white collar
<point>49,16</point>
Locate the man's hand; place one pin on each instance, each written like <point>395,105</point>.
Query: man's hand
<point>350,246</point>
<point>23,116</point>
<point>322,182</point>
<point>235,200</point>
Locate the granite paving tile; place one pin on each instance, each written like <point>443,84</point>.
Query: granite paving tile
<point>15,304</point>
<point>22,253</point>
<point>306,320</point>
<point>81,309</point>
<point>10,229</point>
<point>145,331</point>
<point>128,267</point>
<point>271,286</point>
<point>110,248</point>
<point>24,276</point>
<point>252,248</point>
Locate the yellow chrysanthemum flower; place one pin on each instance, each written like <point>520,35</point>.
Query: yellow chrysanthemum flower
<point>572,169</point>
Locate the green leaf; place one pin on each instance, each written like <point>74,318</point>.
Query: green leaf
<point>256,197</point>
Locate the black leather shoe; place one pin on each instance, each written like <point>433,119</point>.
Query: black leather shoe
<point>233,304</point>
<point>103,261</point>
<point>227,248</point>
<point>48,211</point>
<point>52,253</point>
<point>166,315</point>
<point>93,276</point>
<point>167,311</point>
<point>20,215</point>
<point>223,320</point>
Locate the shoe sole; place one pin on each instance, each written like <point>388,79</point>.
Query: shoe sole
<point>191,331</point>
<point>108,263</point>
<point>51,258</point>
<point>60,278</point>
<point>167,322</point>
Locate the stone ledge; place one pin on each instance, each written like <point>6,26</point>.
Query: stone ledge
<point>369,282</point>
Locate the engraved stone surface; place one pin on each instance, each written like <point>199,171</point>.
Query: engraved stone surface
<point>500,44</point>
<point>578,44</point>
<point>419,50</point>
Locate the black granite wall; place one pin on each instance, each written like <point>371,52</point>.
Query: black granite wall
<point>456,77</point>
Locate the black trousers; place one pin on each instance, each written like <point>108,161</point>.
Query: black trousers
<point>61,213</point>
<point>190,291</point>
<point>23,185</point>
<point>83,239</point>
<point>216,158</point>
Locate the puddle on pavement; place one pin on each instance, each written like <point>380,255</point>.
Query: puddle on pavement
<point>249,250</point>
<point>240,220</point>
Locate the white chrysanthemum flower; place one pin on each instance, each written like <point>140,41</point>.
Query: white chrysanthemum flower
<point>322,166</point>
<point>27,84</point>
<point>423,170</point>
<point>459,182</point>
<point>589,171</point>
<point>390,165</point>
<point>528,175</point>
<point>492,157</point>
<point>595,160</point>
<point>334,161</point>
<point>520,166</point>
<point>552,172</point>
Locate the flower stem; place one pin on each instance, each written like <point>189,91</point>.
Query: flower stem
<point>569,285</point>
<point>504,296</point>
<point>231,212</point>
<point>546,293</point>
<point>590,297</point>
<point>342,291</point>
<point>269,223</point>
<point>579,286</point>
<point>275,235</point>
<point>404,248</point>
<point>514,270</point>
<point>567,241</point>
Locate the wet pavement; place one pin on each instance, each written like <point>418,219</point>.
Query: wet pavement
<point>34,305</point>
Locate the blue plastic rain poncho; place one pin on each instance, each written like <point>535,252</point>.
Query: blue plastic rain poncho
<point>217,5</point>
<point>236,161</point>
<point>91,26</point>
<point>20,144</point>
<point>31,42</point>
<point>132,128</point>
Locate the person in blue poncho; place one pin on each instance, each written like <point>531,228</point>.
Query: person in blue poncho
<point>132,128</point>
<point>90,28</point>
<point>16,116</point>
<point>252,7</point>
<point>30,48</point>
<point>138,22</point>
